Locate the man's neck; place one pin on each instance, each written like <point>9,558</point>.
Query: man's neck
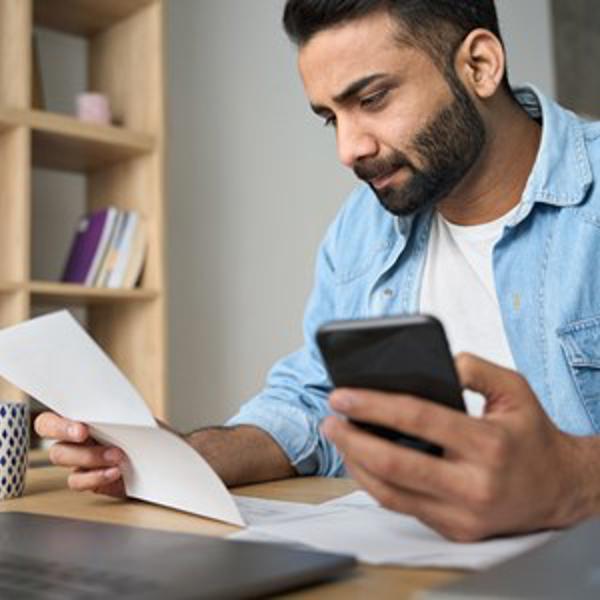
<point>496,182</point>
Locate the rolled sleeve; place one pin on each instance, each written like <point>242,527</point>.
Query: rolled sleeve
<point>294,401</point>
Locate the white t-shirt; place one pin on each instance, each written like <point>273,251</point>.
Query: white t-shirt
<point>458,288</point>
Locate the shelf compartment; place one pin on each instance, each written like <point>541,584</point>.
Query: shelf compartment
<point>68,144</point>
<point>83,17</point>
<point>68,293</point>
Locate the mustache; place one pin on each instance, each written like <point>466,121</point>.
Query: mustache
<point>369,169</point>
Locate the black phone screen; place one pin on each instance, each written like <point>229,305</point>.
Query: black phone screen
<point>404,354</point>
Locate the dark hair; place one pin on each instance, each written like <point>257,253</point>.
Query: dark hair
<point>436,26</point>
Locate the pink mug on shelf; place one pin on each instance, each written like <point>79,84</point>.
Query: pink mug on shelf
<point>93,108</point>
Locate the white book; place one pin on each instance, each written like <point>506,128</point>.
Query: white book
<point>107,230</point>
<point>110,256</point>
<point>137,256</point>
<point>124,248</point>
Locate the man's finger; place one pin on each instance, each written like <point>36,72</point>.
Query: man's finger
<point>389,496</point>
<point>449,519</point>
<point>82,481</point>
<point>115,489</point>
<point>85,457</point>
<point>438,424</point>
<point>50,425</point>
<point>411,469</point>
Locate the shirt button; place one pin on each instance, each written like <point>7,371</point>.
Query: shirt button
<point>388,292</point>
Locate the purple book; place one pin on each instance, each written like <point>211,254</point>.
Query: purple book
<point>84,246</point>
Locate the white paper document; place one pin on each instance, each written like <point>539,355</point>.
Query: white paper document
<point>258,511</point>
<point>356,525</point>
<point>54,360</point>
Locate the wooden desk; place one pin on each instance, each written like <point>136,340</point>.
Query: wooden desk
<point>46,493</point>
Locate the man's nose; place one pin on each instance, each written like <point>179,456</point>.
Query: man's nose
<point>354,143</point>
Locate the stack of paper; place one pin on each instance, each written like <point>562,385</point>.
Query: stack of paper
<point>356,525</point>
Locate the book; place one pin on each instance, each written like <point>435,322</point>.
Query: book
<point>137,257</point>
<point>84,247</point>
<point>110,257</point>
<point>123,249</point>
<point>108,224</point>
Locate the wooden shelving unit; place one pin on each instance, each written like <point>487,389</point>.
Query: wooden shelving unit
<point>64,293</point>
<point>123,166</point>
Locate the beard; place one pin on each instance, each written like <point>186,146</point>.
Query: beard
<point>447,147</point>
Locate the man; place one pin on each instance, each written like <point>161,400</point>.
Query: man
<point>479,207</point>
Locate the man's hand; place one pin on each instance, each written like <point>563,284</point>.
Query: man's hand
<point>511,471</point>
<point>239,455</point>
<point>94,467</point>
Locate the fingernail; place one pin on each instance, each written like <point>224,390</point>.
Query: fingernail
<point>112,455</point>
<point>112,473</point>
<point>73,431</point>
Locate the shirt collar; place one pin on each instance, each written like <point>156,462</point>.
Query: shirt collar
<point>561,174</point>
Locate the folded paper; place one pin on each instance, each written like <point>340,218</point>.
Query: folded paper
<point>55,361</point>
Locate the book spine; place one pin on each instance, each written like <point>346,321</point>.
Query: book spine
<point>83,248</point>
<point>110,257</point>
<point>137,256</point>
<point>77,266</point>
<point>104,238</point>
<point>124,248</point>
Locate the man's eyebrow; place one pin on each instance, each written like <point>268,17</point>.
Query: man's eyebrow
<point>352,90</point>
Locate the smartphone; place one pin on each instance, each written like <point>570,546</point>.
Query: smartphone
<point>405,354</point>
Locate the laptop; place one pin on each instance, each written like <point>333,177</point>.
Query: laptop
<point>53,557</point>
<point>568,566</point>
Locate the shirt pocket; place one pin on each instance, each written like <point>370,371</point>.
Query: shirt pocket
<point>580,342</point>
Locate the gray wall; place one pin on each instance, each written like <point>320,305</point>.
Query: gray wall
<point>526,26</point>
<point>253,183</point>
<point>58,198</point>
<point>577,51</point>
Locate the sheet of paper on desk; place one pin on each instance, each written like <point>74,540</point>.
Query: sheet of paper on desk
<point>54,360</point>
<point>355,524</point>
<point>258,511</point>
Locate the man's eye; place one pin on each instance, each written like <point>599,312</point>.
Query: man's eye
<point>329,121</point>
<point>374,99</point>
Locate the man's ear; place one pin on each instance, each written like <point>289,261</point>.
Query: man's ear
<point>480,63</point>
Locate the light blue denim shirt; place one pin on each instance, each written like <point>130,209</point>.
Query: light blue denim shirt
<point>547,272</point>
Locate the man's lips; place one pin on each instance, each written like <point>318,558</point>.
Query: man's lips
<point>383,181</point>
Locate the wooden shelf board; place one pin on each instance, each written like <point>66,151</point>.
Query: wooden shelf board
<point>7,287</point>
<point>66,143</point>
<point>9,119</point>
<point>83,17</point>
<point>4,124</point>
<point>68,293</point>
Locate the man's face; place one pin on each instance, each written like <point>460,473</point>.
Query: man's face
<point>399,124</point>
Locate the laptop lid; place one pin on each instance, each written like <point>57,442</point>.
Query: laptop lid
<point>568,566</point>
<point>68,558</point>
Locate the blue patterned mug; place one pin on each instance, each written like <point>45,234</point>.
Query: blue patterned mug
<point>14,445</point>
